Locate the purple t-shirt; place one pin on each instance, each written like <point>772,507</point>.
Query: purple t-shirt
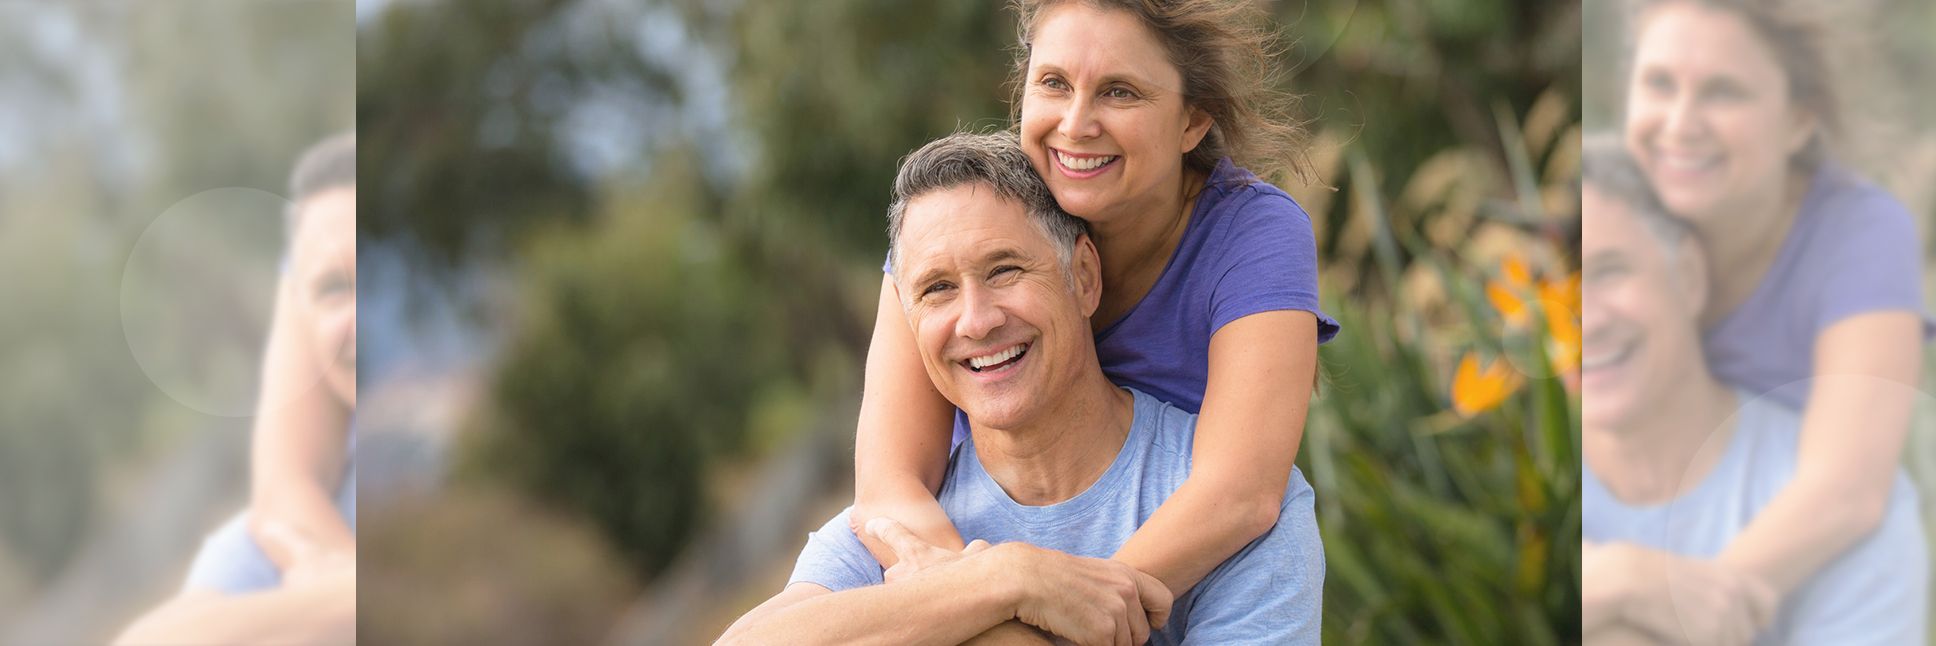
<point>1248,248</point>
<point>1852,250</point>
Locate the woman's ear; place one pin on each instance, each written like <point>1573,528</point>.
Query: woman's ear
<point>1196,128</point>
<point>1085,269</point>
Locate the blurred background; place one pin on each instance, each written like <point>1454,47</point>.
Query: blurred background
<point>1886,63</point>
<point>144,152</point>
<point>620,261</point>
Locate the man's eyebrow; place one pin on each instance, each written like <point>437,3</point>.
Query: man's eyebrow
<point>929,276</point>
<point>1000,254</point>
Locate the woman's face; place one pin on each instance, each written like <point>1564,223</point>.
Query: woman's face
<point>324,262</point>
<point>1708,111</point>
<point>1103,116</point>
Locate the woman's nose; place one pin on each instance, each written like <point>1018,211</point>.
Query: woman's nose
<point>1079,120</point>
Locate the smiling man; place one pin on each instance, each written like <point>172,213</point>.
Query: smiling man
<point>1061,465</point>
<point>1679,463</point>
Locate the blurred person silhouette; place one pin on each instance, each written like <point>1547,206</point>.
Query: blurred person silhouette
<point>1739,114</point>
<point>1679,462</point>
<point>285,569</point>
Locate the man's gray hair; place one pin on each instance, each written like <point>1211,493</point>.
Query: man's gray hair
<point>992,159</point>
<point>330,163</point>
<point>1606,166</point>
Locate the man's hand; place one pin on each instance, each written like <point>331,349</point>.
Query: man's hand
<point>1085,600</point>
<point>912,555</point>
<point>1684,600</point>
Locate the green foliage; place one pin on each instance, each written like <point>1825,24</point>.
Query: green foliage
<point>639,352</point>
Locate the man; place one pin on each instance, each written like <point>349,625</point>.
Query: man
<point>1061,467</point>
<point>294,579</point>
<point>1678,463</point>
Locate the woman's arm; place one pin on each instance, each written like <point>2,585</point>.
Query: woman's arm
<point>901,445</point>
<point>1262,369</point>
<point>296,455</point>
<point>1866,372</point>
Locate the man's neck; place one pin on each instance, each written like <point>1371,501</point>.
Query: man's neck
<point>1662,455</point>
<point>1064,449</point>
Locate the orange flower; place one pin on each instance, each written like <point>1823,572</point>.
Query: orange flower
<point>1561,301</point>
<point>1506,291</point>
<point>1476,390</point>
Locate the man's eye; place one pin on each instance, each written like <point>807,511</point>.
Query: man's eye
<point>333,285</point>
<point>1659,83</point>
<point>936,288</point>
<point>1004,270</point>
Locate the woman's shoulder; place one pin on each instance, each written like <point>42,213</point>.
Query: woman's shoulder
<point>1241,199</point>
<point>1849,213</point>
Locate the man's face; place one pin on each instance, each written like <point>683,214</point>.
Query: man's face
<point>323,262</point>
<point>1000,326</point>
<point>1640,313</point>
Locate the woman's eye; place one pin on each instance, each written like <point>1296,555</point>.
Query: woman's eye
<point>1119,93</point>
<point>1054,83</point>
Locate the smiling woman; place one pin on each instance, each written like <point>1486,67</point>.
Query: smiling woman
<point>1136,117</point>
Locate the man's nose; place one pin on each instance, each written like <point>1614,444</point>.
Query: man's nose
<point>979,313</point>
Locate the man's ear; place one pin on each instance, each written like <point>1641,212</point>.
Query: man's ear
<point>1195,130</point>
<point>1802,129</point>
<point>1085,267</point>
<point>1691,265</point>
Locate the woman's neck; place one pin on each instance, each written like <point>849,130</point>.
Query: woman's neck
<point>1136,246</point>
<point>1742,246</point>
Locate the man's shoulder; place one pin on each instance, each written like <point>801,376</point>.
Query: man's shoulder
<point>834,558</point>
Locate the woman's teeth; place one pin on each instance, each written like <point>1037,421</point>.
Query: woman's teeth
<point>1083,163</point>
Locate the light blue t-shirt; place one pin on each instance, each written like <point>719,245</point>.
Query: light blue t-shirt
<point>1874,593</point>
<point>231,562</point>
<point>1270,592</point>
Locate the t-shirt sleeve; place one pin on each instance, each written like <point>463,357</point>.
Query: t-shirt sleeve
<point>835,559</point>
<point>1271,591</point>
<point>1269,262</point>
<point>1874,265</point>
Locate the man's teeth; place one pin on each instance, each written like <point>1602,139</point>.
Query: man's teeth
<point>979,363</point>
<point>1682,162</point>
<point>1599,360</point>
<point>1083,163</point>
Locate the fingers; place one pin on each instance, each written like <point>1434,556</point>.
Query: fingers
<point>1155,596</point>
<point>896,537</point>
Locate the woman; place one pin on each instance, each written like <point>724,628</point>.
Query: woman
<point>1137,115</point>
<point>1732,109</point>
